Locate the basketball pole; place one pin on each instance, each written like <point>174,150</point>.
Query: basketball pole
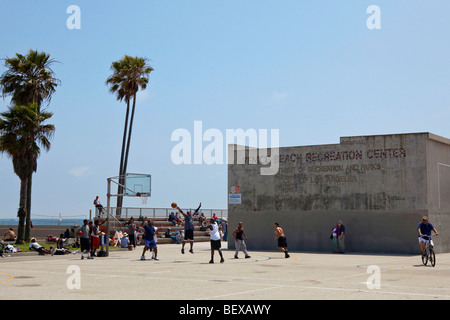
<point>108,203</point>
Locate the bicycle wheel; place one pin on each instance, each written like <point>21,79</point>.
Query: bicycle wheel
<point>425,257</point>
<point>432,258</point>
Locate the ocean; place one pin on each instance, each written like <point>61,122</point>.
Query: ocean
<point>45,222</point>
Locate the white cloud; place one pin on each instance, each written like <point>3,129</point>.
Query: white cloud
<point>279,96</point>
<point>79,171</point>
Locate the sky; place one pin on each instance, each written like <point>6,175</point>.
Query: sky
<point>314,70</point>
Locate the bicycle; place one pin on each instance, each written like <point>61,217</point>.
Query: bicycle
<point>429,252</point>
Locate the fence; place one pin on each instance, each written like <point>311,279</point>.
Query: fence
<point>156,213</point>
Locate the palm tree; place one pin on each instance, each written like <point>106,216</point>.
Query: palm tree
<point>29,79</point>
<point>22,133</point>
<point>130,74</point>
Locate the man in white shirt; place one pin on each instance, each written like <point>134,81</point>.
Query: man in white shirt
<point>215,240</point>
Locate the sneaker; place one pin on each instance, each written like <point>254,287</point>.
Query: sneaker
<point>142,258</point>
<point>236,257</point>
<point>90,257</point>
<point>191,251</point>
<point>156,259</point>
<point>211,261</point>
<point>247,257</point>
<point>182,251</point>
<point>222,260</point>
<point>82,257</point>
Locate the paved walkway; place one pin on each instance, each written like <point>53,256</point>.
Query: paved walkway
<point>265,276</point>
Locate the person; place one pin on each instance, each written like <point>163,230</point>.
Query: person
<point>424,229</point>
<point>98,205</point>
<point>341,237</point>
<point>95,237</point>
<point>155,238</point>
<point>10,235</point>
<point>225,229</point>
<point>132,232</point>
<point>172,219</point>
<point>215,240</point>
<point>334,238</point>
<point>188,229</point>
<point>149,241</point>
<point>62,251</point>
<point>37,247</point>
<point>201,218</point>
<point>282,240</point>
<point>84,235</point>
<point>60,242</point>
<point>239,236</point>
<point>125,241</point>
<point>67,234</point>
<point>169,234</point>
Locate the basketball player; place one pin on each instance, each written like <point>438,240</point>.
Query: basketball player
<point>282,241</point>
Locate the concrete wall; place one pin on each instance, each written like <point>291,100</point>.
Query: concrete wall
<point>380,186</point>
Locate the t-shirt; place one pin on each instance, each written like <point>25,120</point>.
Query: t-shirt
<point>215,235</point>
<point>189,222</point>
<point>149,232</point>
<point>85,230</point>
<point>425,228</point>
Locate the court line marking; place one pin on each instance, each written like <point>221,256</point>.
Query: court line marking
<point>10,277</point>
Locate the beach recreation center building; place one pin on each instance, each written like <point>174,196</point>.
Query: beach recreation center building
<point>379,186</point>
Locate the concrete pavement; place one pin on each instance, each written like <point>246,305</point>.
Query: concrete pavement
<point>265,276</point>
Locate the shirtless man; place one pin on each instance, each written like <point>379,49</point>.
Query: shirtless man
<point>10,235</point>
<point>281,237</point>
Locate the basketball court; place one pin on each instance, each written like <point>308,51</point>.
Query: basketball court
<point>264,276</point>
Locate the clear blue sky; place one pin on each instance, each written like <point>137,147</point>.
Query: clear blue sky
<point>311,69</point>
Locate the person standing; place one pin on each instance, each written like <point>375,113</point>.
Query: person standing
<point>132,232</point>
<point>215,240</point>
<point>424,229</point>
<point>334,238</point>
<point>84,234</point>
<point>149,241</point>
<point>188,228</point>
<point>341,237</point>
<point>282,240</point>
<point>239,236</point>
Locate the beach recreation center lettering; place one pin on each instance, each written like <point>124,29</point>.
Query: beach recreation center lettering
<point>344,155</point>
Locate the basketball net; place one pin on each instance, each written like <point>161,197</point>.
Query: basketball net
<point>143,196</point>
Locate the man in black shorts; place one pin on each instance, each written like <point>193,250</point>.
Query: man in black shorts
<point>188,228</point>
<point>282,241</point>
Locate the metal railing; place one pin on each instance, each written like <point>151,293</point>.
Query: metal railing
<point>156,213</point>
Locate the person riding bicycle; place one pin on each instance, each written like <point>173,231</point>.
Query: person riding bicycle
<point>424,229</point>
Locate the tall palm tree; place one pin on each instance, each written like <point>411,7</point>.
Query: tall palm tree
<point>29,79</point>
<point>130,74</point>
<point>22,133</point>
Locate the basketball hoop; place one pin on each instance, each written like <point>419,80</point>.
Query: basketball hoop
<point>144,197</point>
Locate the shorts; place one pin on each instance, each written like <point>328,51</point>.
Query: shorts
<point>95,242</point>
<point>282,242</point>
<point>425,240</point>
<point>189,235</point>
<point>84,243</point>
<point>150,244</point>
<point>215,244</point>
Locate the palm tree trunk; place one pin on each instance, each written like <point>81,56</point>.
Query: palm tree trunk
<point>122,157</point>
<point>129,135</point>
<point>22,213</point>
<point>28,206</point>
